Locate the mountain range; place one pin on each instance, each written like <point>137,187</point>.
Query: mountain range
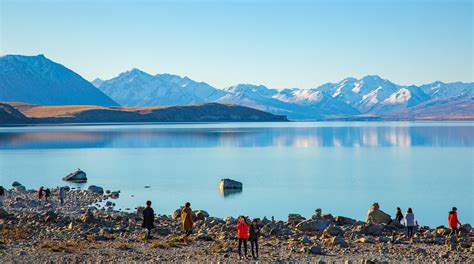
<point>38,80</point>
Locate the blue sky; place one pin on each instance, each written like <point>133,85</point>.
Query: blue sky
<point>276,43</point>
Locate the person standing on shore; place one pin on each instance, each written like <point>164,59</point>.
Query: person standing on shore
<point>187,220</point>
<point>2,196</point>
<point>410,222</point>
<point>148,219</point>
<point>62,195</point>
<point>399,215</point>
<point>40,193</point>
<point>47,194</point>
<point>242,235</point>
<point>254,232</point>
<point>453,221</point>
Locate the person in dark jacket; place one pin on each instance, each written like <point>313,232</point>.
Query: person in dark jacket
<point>148,219</point>
<point>47,194</point>
<point>399,215</point>
<point>254,232</point>
<point>2,196</point>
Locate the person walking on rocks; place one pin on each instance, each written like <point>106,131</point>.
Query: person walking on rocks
<point>47,194</point>
<point>242,235</point>
<point>399,215</point>
<point>2,196</point>
<point>148,219</point>
<point>410,222</point>
<point>453,221</point>
<point>187,220</point>
<point>254,232</point>
<point>40,193</point>
<point>62,195</point>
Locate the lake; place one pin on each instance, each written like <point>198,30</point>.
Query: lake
<point>293,167</point>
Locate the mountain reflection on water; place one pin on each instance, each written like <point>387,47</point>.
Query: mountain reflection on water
<point>158,136</point>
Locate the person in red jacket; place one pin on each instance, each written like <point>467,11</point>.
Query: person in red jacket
<point>453,221</point>
<point>242,235</point>
<point>40,193</point>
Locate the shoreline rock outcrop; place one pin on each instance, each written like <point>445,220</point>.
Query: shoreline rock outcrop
<point>84,229</point>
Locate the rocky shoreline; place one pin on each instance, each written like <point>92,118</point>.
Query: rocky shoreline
<point>84,229</point>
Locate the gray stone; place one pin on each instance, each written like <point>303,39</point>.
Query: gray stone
<point>4,214</point>
<point>78,176</point>
<point>162,231</point>
<point>200,214</point>
<point>16,184</point>
<point>229,184</point>
<point>305,240</point>
<point>114,195</point>
<point>96,189</point>
<point>339,241</point>
<point>331,231</point>
<point>377,216</point>
<point>344,220</point>
<point>313,225</point>
<point>295,219</point>
<point>316,249</point>
<point>20,189</point>
<point>177,213</point>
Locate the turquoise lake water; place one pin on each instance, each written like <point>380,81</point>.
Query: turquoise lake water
<point>341,167</point>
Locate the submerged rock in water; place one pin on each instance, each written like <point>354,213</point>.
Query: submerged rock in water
<point>229,184</point>
<point>78,176</point>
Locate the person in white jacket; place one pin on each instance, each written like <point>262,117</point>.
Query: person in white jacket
<point>410,222</point>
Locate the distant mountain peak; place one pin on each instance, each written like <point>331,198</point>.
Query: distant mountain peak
<point>39,80</point>
<point>97,82</point>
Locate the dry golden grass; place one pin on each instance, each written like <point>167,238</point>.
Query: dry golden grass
<point>58,111</point>
<point>12,233</point>
<point>42,111</point>
<point>124,246</point>
<point>66,247</point>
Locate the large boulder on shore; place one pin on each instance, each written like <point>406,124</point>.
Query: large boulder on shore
<point>344,220</point>
<point>377,216</point>
<point>200,215</point>
<point>177,213</point>
<point>312,225</point>
<point>229,184</point>
<point>16,184</point>
<point>295,219</point>
<point>78,176</point>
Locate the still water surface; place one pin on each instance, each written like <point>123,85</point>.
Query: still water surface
<point>341,167</point>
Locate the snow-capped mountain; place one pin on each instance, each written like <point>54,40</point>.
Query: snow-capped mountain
<point>440,90</point>
<point>200,90</point>
<point>138,88</point>
<point>38,80</point>
<point>361,94</point>
<point>265,99</point>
